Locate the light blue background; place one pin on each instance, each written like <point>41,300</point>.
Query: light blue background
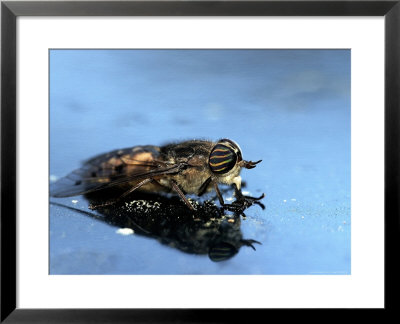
<point>290,108</point>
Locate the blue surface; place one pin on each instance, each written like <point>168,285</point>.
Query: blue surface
<point>290,108</point>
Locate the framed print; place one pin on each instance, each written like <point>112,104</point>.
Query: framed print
<point>160,157</point>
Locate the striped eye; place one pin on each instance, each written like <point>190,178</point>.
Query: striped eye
<point>222,159</point>
<point>222,251</point>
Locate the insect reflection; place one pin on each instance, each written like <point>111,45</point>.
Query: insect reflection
<point>209,231</point>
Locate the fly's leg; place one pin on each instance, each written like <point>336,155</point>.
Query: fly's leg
<point>204,187</point>
<point>126,193</point>
<point>242,202</point>
<point>247,200</point>
<point>249,243</point>
<point>220,198</point>
<point>182,195</point>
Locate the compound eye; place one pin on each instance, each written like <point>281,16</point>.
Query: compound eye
<point>222,159</point>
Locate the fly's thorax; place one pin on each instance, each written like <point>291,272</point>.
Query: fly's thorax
<point>191,179</point>
<point>165,181</point>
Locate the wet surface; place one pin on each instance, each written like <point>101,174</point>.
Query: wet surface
<point>289,108</point>
<point>209,230</point>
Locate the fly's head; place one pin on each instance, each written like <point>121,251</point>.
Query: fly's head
<point>225,162</point>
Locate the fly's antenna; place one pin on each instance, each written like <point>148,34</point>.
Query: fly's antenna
<point>248,164</point>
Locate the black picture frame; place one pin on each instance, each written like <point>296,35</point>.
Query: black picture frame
<point>10,10</point>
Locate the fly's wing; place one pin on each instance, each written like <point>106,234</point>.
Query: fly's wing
<point>112,169</point>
